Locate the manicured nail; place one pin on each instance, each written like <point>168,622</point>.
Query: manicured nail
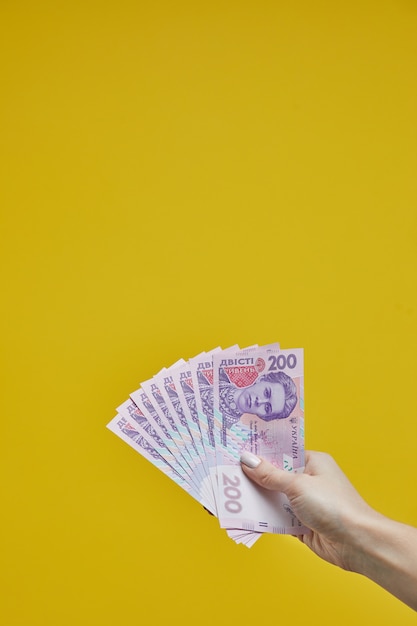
<point>250,459</point>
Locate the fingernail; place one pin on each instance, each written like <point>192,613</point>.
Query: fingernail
<point>250,459</point>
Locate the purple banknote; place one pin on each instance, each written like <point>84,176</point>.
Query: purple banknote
<point>193,419</point>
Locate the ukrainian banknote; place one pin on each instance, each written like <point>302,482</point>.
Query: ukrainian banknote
<point>201,369</point>
<point>193,419</point>
<point>258,406</point>
<point>149,400</point>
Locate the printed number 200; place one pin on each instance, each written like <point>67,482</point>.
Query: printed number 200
<point>281,361</point>
<point>232,493</point>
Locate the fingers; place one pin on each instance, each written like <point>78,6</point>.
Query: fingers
<point>265,474</point>
<point>268,476</point>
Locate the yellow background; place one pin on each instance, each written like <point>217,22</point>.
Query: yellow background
<point>176,176</point>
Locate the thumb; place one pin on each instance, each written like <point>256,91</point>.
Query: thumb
<point>265,474</point>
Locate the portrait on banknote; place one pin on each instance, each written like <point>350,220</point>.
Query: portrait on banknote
<point>273,396</point>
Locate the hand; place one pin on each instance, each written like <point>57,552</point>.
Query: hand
<point>344,529</point>
<point>323,499</point>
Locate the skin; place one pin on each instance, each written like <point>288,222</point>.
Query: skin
<point>345,530</point>
<point>261,399</point>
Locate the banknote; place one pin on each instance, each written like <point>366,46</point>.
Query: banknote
<point>193,419</point>
<point>182,381</point>
<point>150,398</point>
<point>201,370</point>
<point>169,390</point>
<point>140,410</point>
<point>258,406</point>
<point>156,434</point>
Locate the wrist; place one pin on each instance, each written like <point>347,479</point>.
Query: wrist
<point>365,538</point>
<point>385,551</point>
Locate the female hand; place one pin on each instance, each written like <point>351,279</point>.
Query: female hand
<point>345,530</point>
<point>322,498</point>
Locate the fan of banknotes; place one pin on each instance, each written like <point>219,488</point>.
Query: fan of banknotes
<point>193,420</point>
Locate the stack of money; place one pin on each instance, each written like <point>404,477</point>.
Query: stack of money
<point>194,419</point>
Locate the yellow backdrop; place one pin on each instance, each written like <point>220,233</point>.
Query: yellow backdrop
<point>176,176</point>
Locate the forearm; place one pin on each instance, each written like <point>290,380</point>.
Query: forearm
<point>386,552</point>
